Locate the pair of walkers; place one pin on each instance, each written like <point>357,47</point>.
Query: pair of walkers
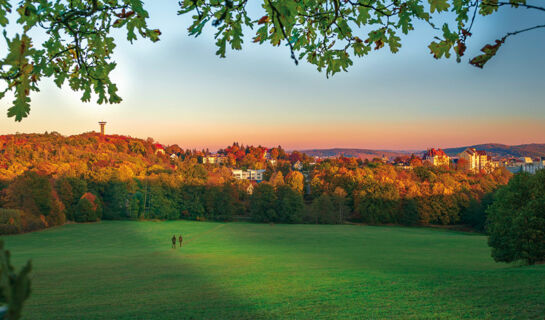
<point>180,239</point>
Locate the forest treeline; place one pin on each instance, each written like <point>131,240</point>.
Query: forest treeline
<point>48,179</point>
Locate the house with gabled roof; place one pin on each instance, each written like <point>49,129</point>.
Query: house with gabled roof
<point>159,148</point>
<point>436,157</point>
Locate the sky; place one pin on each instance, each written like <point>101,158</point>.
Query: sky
<point>178,91</point>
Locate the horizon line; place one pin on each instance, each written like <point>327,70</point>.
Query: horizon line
<point>301,149</point>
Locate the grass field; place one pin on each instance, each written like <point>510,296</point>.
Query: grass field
<point>127,270</point>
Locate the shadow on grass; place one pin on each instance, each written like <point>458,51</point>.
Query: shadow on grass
<point>185,282</point>
<point>126,270</point>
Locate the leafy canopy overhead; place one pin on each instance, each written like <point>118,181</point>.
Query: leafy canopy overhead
<point>78,43</point>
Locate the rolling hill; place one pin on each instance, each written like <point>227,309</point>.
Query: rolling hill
<point>533,150</point>
<point>501,150</point>
<point>356,153</point>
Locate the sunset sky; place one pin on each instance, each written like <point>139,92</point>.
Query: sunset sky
<point>179,91</point>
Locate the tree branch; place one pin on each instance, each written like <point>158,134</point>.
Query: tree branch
<point>278,15</point>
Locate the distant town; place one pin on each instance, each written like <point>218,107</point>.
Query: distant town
<point>470,159</point>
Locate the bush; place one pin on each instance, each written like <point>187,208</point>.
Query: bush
<point>32,223</point>
<point>516,220</point>
<point>87,209</point>
<point>56,216</point>
<point>6,229</point>
<point>10,221</point>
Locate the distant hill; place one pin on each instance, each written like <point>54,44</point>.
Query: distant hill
<point>356,153</point>
<point>494,149</point>
<point>501,150</point>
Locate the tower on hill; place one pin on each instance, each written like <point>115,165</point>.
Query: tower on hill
<point>102,125</point>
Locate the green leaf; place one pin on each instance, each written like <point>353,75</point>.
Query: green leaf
<point>438,5</point>
<point>20,108</point>
<point>440,49</point>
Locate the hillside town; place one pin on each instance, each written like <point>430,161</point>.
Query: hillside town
<point>479,161</point>
<point>471,159</point>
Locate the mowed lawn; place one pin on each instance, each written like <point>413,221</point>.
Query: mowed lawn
<point>127,270</point>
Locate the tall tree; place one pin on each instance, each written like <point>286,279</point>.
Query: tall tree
<point>289,205</point>
<point>263,203</point>
<point>516,220</point>
<point>339,202</point>
<point>323,211</point>
<point>296,181</point>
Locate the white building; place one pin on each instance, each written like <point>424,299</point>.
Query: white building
<point>253,175</point>
<point>214,159</point>
<point>475,160</point>
<point>528,166</point>
<point>532,167</point>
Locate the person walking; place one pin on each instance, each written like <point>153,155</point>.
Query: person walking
<point>174,241</point>
<point>180,239</point>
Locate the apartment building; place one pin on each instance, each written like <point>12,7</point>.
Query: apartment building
<point>475,160</point>
<point>214,159</point>
<point>252,175</point>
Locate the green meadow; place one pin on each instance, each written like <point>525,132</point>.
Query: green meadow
<point>128,270</point>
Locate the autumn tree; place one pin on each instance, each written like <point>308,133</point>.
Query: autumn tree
<point>70,190</point>
<point>277,179</point>
<point>34,194</point>
<point>296,181</point>
<point>88,208</point>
